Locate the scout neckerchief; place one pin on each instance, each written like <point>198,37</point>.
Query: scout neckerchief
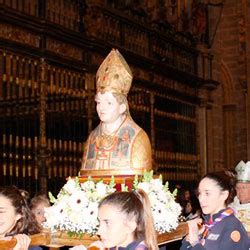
<point>212,223</point>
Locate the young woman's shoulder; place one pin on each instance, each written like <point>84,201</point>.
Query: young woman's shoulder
<point>141,246</point>
<point>235,234</point>
<point>233,221</point>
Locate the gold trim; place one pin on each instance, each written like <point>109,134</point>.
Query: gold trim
<point>111,172</point>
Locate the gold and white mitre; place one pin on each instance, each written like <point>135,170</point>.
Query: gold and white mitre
<point>243,171</point>
<point>114,74</point>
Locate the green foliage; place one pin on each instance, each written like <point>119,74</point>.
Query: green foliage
<point>75,235</point>
<point>52,199</point>
<point>124,188</point>
<point>175,192</point>
<point>112,182</point>
<point>166,186</point>
<point>147,176</point>
<point>135,182</point>
<point>160,178</point>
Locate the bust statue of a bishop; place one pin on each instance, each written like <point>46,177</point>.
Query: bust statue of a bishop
<point>117,143</point>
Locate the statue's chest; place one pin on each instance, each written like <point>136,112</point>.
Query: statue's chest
<point>116,149</point>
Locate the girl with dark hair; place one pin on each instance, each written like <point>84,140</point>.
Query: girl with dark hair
<point>37,205</point>
<point>222,230</point>
<point>16,218</point>
<point>126,222</point>
<point>191,208</point>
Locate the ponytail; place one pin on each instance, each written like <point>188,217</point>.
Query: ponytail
<point>148,221</point>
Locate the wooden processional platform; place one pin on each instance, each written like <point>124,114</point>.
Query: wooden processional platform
<point>59,239</point>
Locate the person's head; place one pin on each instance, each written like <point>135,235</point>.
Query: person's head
<point>110,106</point>
<point>15,215</point>
<point>243,184</point>
<point>187,195</point>
<point>125,217</point>
<point>188,207</point>
<point>37,205</point>
<point>113,82</point>
<point>243,192</point>
<point>216,190</point>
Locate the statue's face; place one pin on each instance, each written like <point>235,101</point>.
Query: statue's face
<point>243,192</point>
<point>107,107</point>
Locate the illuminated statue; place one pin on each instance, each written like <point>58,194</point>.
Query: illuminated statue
<point>117,143</point>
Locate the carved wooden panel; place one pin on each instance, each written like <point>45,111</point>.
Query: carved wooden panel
<point>29,7</point>
<point>63,12</point>
<point>17,34</point>
<point>64,49</point>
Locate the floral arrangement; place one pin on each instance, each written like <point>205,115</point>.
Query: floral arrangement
<point>76,206</point>
<point>165,209</point>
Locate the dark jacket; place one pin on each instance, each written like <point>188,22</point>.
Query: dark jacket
<point>38,248</point>
<point>135,245</point>
<point>35,248</point>
<point>228,234</point>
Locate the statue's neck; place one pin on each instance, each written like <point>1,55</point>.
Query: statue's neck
<point>111,128</point>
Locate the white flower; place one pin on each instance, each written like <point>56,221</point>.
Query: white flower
<point>88,185</point>
<point>70,186</point>
<point>157,184</point>
<point>74,216</point>
<point>77,200</point>
<point>101,189</point>
<point>153,199</point>
<point>54,215</point>
<point>145,186</point>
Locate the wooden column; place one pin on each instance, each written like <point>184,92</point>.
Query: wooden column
<point>152,125</point>
<point>202,138</point>
<point>42,149</point>
<point>90,102</point>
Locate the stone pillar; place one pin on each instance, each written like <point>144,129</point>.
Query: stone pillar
<point>205,136</point>
<point>229,134</point>
<point>244,58</point>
